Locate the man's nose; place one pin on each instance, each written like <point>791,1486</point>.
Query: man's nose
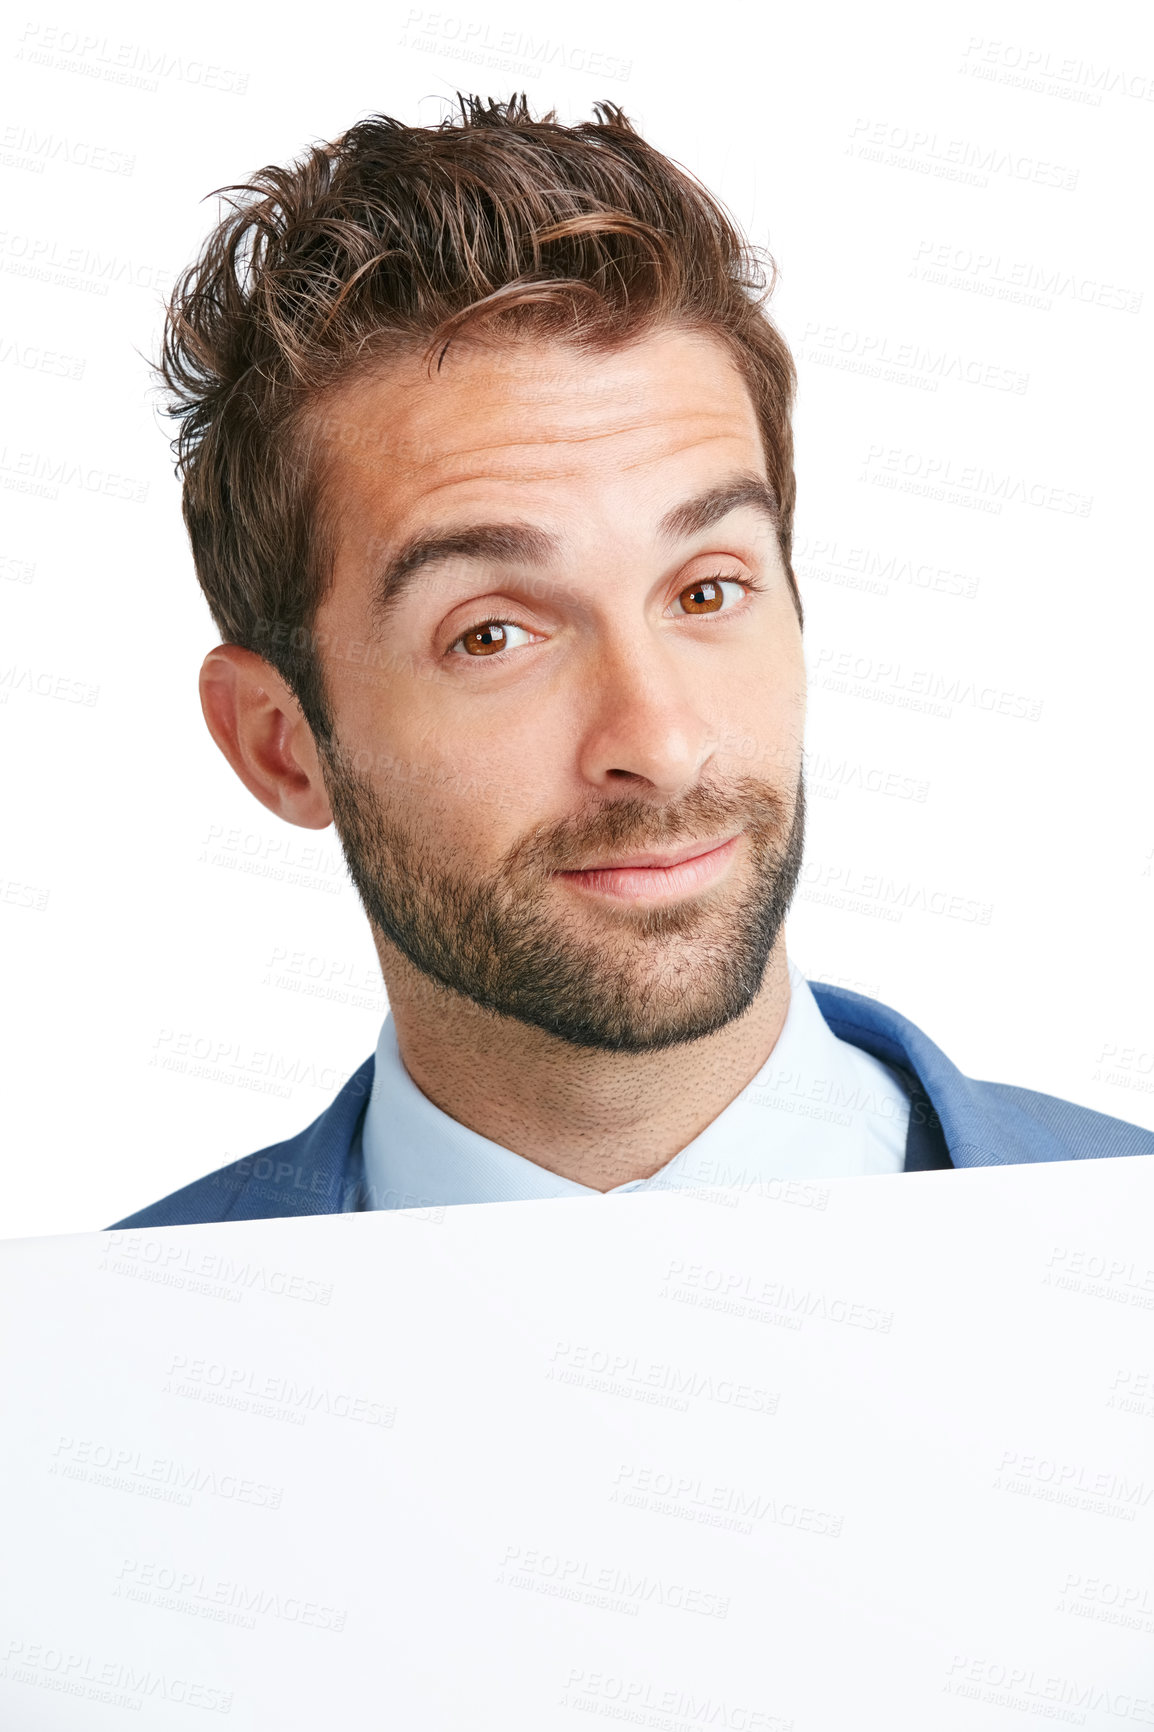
<point>646,722</point>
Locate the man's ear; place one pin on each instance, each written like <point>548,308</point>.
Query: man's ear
<point>260,727</point>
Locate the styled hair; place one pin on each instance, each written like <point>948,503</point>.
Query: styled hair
<point>394,238</point>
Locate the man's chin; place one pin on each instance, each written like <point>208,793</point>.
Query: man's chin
<point>666,978</point>
<point>629,1023</point>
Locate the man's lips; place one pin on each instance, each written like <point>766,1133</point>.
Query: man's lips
<point>656,875</point>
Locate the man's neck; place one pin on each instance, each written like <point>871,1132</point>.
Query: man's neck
<point>600,1118</point>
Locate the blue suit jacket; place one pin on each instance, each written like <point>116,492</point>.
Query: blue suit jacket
<point>954,1121</point>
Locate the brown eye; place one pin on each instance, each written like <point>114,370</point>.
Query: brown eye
<point>486,640</point>
<point>491,638</point>
<point>704,597</point>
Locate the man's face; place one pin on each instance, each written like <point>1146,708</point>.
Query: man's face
<point>566,676</point>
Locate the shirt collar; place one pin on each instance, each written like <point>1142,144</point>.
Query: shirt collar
<point>818,1108</point>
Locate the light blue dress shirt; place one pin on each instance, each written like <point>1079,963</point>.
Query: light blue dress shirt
<point>818,1108</point>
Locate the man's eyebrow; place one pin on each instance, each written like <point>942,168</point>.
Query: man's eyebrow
<point>710,507</point>
<point>522,544</point>
<point>510,543</point>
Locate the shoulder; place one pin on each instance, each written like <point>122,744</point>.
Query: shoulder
<point>1040,1119</point>
<point>304,1175</point>
<point>984,1123</point>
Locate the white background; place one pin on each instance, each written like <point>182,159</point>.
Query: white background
<point>958,200</point>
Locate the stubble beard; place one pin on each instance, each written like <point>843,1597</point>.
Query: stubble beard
<point>629,980</point>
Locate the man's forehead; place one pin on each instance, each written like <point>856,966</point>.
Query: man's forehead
<point>527,420</point>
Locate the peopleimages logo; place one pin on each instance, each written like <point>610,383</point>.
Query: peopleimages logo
<point>855,566</point>
<point>122,1467</point>
<point>766,1301</point>
<point>41,683</point>
<point>26,147</point>
<point>220,1599</point>
<point>1048,1694</point>
<point>605,1587</point>
<point>459,38</point>
<point>941,477</point>
<point>735,1509</point>
<point>137,65</point>
<point>959,159</point>
<point>1028,67</point>
<point>269,1396</point>
<point>653,1381</point>
<point>115,1683</point>
<point>47,259</point>
<point>664,1705</point>
<point>183,1266</point>
<point>1022,282</point>
<point>874,355</point>
<point>1095,1491</point>
<point>43,474</point>
<point>1128,1605</point>
<point>884,681</point>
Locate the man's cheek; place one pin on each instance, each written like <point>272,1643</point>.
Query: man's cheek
<point>473,793</point>
<point>739,749</point>
<point>760,730</point>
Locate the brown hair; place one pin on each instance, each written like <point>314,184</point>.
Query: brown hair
<point>398,235</point>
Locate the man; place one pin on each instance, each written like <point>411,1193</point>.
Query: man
<point>485,437</point>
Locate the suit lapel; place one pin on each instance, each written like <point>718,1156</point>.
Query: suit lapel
<point>924,1069</point>
<point>311,1174</point>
